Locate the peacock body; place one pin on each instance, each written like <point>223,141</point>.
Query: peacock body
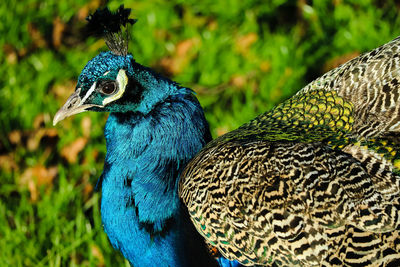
<point>313,182</point>
<point>154,128</point>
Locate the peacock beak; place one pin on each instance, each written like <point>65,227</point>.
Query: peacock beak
<point>74,105</point>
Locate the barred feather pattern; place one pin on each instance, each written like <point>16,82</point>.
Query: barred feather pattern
<point>371,83</point>
<point>313,182</point>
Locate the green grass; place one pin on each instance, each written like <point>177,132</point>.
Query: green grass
<point>242,57</point>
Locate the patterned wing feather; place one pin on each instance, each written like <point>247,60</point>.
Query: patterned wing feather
<point>371,82</point>
<point>313,182</point>
<point>264,202</point>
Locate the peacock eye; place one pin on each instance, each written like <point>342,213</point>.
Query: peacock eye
<point>108,88</point>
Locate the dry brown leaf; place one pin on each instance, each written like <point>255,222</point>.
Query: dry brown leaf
<point>238,81</point>
<point>222,130</point>
<point>58,30</point>
<point>86,125</point>
<point>7,162</point>
<point>178,61</point>
<point>183,47</point>
<point>36,36</point>
<point>212,25</point>
<point>37,176</point>
<point>87,190</point>
<point>11,54</point>
<point>168,65</point>
<point>265,66</point>
<point>96,252</point>
<point>336,2</point>
<point>336,61</point>
<point>71,151</point>
<point>39,121</point>
<point>64,90</point>
<point>15,137</point>
<point>84,11</point>
<point>95,154</point>
<point>244,43</point>
<point>36,136</point>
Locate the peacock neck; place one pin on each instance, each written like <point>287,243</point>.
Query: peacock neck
<point>141,210</point>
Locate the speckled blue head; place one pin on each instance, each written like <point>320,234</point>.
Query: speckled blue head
<point>104,66</point>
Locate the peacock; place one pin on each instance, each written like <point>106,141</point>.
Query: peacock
<point>313,182</point>
<point>154,128</point>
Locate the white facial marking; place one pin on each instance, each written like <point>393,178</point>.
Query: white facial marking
<point>122,81</point>
<point>89,92</point>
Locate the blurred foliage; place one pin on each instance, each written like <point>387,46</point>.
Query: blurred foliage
<point>241,56</point>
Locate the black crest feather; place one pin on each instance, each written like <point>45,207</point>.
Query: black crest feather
<point>113,27</point>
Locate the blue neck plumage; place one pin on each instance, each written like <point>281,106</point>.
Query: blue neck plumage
<point>140,208</point>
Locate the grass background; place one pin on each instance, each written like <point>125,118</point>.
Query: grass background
<point>241,56</point>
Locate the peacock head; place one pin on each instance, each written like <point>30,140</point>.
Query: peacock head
<point>112,81</point>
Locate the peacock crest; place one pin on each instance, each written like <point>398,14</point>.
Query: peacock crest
<point>113,27</point>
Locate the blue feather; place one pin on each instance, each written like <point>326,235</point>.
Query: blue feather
<point>227,263</point>
<point>146,152</point>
